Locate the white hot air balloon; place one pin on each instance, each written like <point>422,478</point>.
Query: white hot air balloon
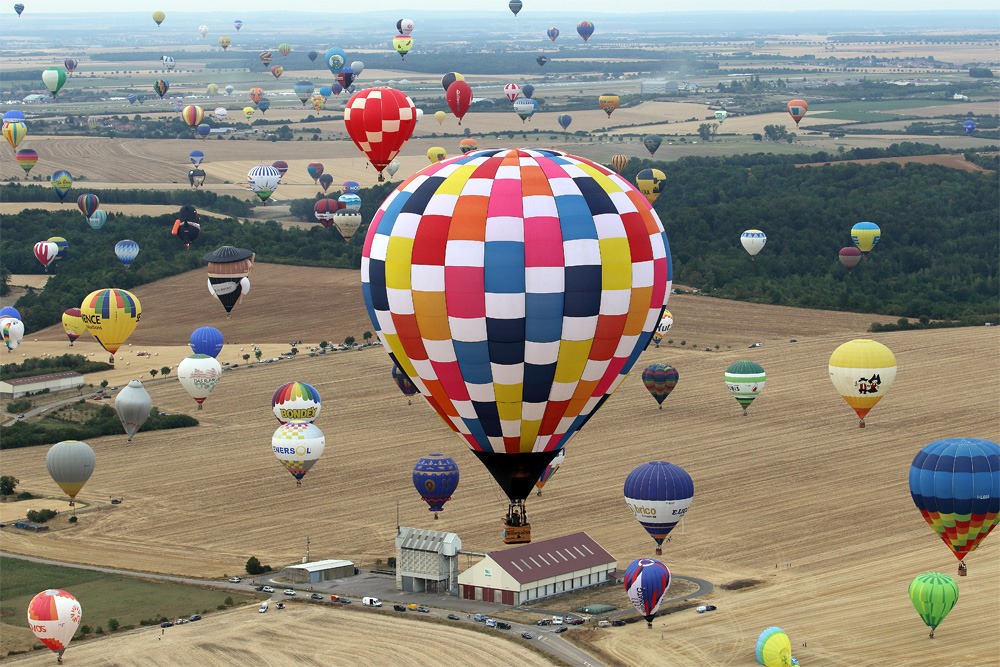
<point>753,241</point>
<point>199,374</point>
<point>221,113</point>
<point>54,615</point>
<point>70,463</point>
<point>298,446</point>
<point>263,180</point>
<point>12,332</point>
<point>133,405</point>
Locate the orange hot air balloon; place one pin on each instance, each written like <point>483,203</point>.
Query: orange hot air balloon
<point>256,95</point>
<point>797,110</point>
<point>618,162</point>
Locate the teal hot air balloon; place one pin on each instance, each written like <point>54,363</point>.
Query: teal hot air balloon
<point>97,220</point>
<point>660,380</point>
<point>745,380</point>
<point>933,595</point>
<point>652,142</point>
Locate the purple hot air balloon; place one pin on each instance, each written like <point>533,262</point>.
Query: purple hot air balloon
<point>435,477</point>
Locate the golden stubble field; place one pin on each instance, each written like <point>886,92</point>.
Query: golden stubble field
<point>795,495</point>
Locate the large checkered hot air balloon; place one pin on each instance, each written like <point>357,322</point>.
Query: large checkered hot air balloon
<point>646,582</point>
<point>516,288</point>
<point>955,483</point>
<point>298,446</point>
<point>380,120</point>
<point>54,615</point>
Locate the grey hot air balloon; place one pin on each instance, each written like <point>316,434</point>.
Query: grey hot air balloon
<point>133,405</point>
<point>70,463</point>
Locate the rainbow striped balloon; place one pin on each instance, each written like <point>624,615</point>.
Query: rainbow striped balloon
<point>296,403</point>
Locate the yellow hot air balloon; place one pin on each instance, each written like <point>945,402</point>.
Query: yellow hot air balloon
<point>774,648</point>
<point>248,112</point>
<point>436,154</point>
<point>110,316</point>
<point>158,17</point>
<point>609,103</point>
<point>863,372</point>
<point>439,116</point>
<point>213,89</point>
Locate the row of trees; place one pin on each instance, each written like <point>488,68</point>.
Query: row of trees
<point>40,366</point>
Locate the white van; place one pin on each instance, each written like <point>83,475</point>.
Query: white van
<point>557,620</point>
<point>263,607</point>
<point>604,624</point>
<point>371,602</point>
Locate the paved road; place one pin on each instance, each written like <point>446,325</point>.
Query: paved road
<point>439,606</point>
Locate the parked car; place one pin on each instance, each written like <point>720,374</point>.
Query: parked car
<point>280,605</point>
<point>194,617</point>
<point>166,624</point>
<point>267,589</point>
<point>288,591</point>
<point>21,416</point>
<point>478,617</point>
<point>753,345</point>
<point>561,629</point>
<point>453,617</point>
<point>235,580</point>
<point>423,609</point>
<point>259,588</point>
<point>491,622</point>
<point>316,596</point>
<point>399,607</point>
<point>701,609</point>
<point>576,621</point>
<point>180,621</point>
<point>503,625</point>
<point>544,621</point>
<point>342,600</point>
<point>526,634</point>
<point>618,623</point>
<point>412,605</point>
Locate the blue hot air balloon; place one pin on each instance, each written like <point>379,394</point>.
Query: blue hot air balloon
<point>647,581</point>
<point>564,120</point>
<point>264,104</point>
<point>325,91</point>
<point>527,90</point>
<point>955,483</point>
<point>350,187</point>
<point>127,250</point>
<point>10,311</point>
<point>659,495</point>
<point>969,126</point>
<point>196,157</point>
<point>335,59</point>
<point>132,98</point>
<point>435,477</point>
<point>206,340</point>
<point>204,130</point>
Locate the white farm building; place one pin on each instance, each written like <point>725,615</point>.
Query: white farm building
<point>538,570</point>
<point>19,387</point>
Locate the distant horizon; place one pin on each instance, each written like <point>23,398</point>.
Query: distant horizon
<point>532,9</point>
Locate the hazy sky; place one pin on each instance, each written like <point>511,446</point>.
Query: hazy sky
<point>536,8</point>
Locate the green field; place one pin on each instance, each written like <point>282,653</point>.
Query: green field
<point>103,596</point>
<point>877,110</point>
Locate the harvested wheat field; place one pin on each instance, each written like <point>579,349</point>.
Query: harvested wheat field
<point>948,160</point>
<point>302,635</point>
<point>794,496</point>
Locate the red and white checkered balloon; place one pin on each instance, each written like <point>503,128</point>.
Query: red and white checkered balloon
<point>380,120</point>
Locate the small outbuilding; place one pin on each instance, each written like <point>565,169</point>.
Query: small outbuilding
<point>318,571</point>
<point>427,561</point>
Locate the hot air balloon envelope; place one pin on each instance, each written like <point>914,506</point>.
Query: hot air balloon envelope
<point>296,402</point>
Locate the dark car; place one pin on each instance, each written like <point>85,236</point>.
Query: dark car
<point>399,607</point>
<point>344,600</point>
<point>194,617</point>
<point>561,629</point>
<point>316,596</point>
<point>166,624</point>
<point>545,621</point>
<point>526,635</point>
<point>453,617</point>
<point>576,621</point>
<point>259,588</point>
<point>618,623</point>
<point>502,625</point>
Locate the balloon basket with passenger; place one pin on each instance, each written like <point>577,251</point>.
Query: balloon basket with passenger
<point>516,529</point>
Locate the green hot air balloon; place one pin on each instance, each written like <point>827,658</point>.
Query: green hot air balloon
<point>745,380</point>
<point>933,595</point>
<point>133,405</point>
<point>70,463</point>
<point>54,78</point>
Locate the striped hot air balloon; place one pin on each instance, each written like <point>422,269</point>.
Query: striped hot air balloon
<point>296,403</point>
<point>745,380</point>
